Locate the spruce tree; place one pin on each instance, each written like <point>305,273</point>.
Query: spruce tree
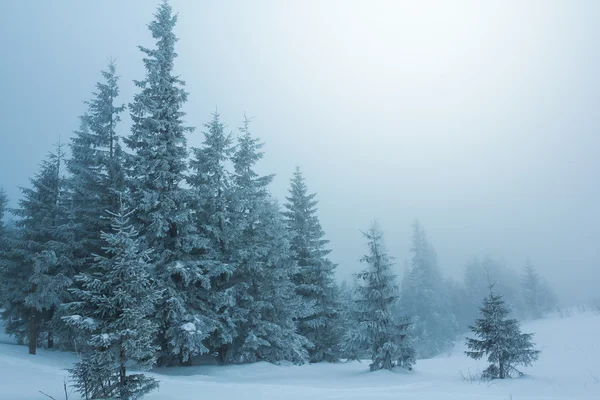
<point>537,296</point>
<point>211,183</point>
<point>114,309</point>
<point>531,291</point>
<point>39,265</point>
<point>97,174</point>
<point>315,276</point>
<point>4,247</point>
<point>267,300</point>
<point>3,204</point>
<point>423,298</point>
<point>379,331</point>
<point>500,339</point>
<point>265,304</point>
<point>163,206</point>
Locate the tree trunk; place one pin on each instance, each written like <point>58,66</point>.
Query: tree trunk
<point>32,331</point>
<point>187,363</point>
<point>50,339</point>
<point>222,353</point>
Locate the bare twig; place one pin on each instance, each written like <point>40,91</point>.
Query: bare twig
<point>47,395</point>
<point>65,388</point>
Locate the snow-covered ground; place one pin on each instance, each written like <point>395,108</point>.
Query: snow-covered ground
<point>568,368</point>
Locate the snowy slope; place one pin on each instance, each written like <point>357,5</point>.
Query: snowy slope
<point>569,368</point>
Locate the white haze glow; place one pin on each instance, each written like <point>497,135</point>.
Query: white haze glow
<point>479,118</point>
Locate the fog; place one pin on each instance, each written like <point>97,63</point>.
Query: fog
<point>479,119</point>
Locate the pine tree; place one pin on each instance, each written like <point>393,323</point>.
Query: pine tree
<point>459,303</point>
<point>97,174</point>
<point>424,299</point>
<point>500,339</point>
<point>267,301</point>
<point>537,296</point>
<point>4,248</point>
<point>379,331</point>
<point>113,308</point>
<point>163,214</point>
<point>39,265</point>
<point>266,304</point>
<point>315,277</point>
<point>3,204</point>
<point>211,183</point>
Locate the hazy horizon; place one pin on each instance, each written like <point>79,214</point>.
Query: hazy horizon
<point>478,119</point>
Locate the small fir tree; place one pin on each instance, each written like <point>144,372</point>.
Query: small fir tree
<point>114,309</point>
<point>500,339</point>
<point>379,331</point>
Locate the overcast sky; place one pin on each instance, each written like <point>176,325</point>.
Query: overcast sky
<point>479,118</point>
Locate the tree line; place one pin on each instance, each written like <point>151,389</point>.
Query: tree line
<point>138,249</point>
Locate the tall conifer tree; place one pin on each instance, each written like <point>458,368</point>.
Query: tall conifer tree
<point>424,299</point>
<point>163,206</point>
<point>266,305</point>
<point>97,175</point>
<point>211,183</point>
<point>40,262</point>
<point>314,278</point>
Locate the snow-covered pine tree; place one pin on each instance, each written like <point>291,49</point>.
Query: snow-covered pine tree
<point>271,304</point>
<point>39,264</point>
<point>531,291</point>
<point>459,303</point>
<point>266,304</point>
<point>537,295</point>
<point>424,299</point>
<point>163,207</point>
<point>211,183</point>
<point>379,331</point>
<point>95,165</point>
<point>500,339</point>
<point>114,309</point>
<point>4,246</point>
<point>3,204</point>
<point>315,275</point>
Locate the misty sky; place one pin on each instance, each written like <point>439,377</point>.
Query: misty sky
<point>480,119</point>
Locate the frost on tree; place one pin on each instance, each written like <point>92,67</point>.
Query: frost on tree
<point>113,309</point>
<point>211,184</point>
<point>500,339</point>
<point>39,265</point>
<point>538,297</point>
<point>314,278</point>
<point>3,203</point>
<point>424,299</point>
<point>379,332</point>
<point>97,174</point>
<point>265,306</point>
<point>163,205</point>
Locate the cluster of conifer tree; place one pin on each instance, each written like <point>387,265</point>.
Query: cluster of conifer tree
<point>138,249</point>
